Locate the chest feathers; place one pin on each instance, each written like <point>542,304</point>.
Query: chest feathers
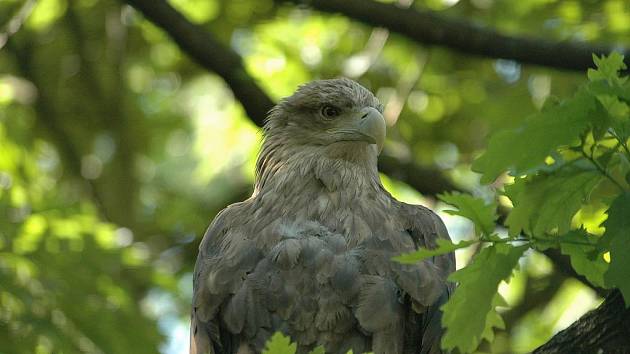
<point>333,186</point>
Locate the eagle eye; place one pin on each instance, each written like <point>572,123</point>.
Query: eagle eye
<point>329,111</point>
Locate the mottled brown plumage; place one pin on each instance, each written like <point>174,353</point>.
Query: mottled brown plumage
<point>309,253</point>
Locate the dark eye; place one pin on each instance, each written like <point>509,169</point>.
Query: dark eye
<point>329,111</point>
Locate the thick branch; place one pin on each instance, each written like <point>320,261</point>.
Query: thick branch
<point>610,321</point>
<point>563,265</point>
<point>429,28</point>
<point>209,53</point>
<point>213,56</point>
<point>603,330</point>
<point>427,181</point>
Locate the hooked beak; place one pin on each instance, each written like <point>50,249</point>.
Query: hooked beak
<point>372,127</point>
<point>368,126</point>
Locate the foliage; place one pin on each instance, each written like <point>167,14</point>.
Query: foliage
<point>547,201</point>
<point>617,240</point>
<point>281,344</point>
<point>562,159</point>
<point>478,283</point>
<point>116,151</point>
<point>585,256</point>
<point>482,215</point>
<point>64,273</point>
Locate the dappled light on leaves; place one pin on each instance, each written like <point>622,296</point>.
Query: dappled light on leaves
<point>117,146</point>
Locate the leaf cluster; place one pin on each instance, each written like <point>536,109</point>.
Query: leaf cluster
<point>570,155</point>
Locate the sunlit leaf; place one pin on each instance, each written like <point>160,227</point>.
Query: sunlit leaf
<point>280,344</point>
<point>493,319</point>
<point>586,257</point>
<point>548,201</point>
<point>466,313</point>
<point>197,11</point>
<point>318,350</point>
<point>617,237</point>
<point>608,68</point>
<point>45,13</point>
<point>525,148</point>
<point>614,106</point>
<point>32,232</point>
<point>482,214</point>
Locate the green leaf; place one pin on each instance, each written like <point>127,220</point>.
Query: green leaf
<point>443,247</point>
<point>585,255</point>
<point>279,344</point>
<point>616,108</point>
<point>524,149</point>
<point>475,209</point>
<point>466,313</point>
<point>617,237</point>
<point>622,128</point>
<point>548,201</point>
<point>494,320</point>
<point>608,68</point>
<point>318,350</point>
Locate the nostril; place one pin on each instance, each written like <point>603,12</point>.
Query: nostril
<point>365,115</point>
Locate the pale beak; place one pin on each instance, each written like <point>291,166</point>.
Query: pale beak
<point>371,126</point>
<point>366,125</point>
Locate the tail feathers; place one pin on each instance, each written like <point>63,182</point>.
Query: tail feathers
<point>432,330</point>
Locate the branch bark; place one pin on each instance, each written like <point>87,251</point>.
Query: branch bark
<point>427,181</point>
<point>563,265</point>
<point>430,28</point>
<point>210,54</point>
<point>216,57</point>
<point>603,330</point>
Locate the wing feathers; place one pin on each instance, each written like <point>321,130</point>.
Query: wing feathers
<point>321,286</point>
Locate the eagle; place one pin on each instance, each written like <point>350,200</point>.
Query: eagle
<point>309,254</point>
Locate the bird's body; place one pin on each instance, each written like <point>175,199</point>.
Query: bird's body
<point>309,254</point>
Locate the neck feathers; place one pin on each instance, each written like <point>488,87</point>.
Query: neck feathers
<point>342,165</point>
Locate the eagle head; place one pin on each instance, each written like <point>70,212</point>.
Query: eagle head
<point>337,113</point>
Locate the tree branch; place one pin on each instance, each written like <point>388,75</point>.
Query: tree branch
<point>563,265</point>
<point>427,181</point>
<point>209,53</point>
<point>214,56</point>
<point>429,28</point>
<point>603,330</point>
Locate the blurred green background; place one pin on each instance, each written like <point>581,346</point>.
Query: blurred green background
<point>116,150</point>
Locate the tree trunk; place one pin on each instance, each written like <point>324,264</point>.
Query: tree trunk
<point>604,330</point>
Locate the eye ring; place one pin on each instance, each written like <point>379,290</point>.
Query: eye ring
<point>330,112</point>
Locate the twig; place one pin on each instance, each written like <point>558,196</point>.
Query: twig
<point>622,142</point>
<point>601,169</point>
<point>15,23</point>
<point>216,57</point>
